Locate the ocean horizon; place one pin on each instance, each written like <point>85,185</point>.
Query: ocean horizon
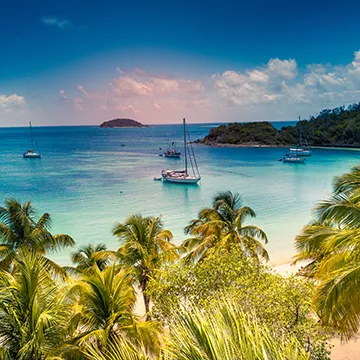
<point>275,123</point>
<point>89,178</point>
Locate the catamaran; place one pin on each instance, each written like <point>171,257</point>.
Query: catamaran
<point>31,153</point>
<point>299,150</point>
<point>184,176</point>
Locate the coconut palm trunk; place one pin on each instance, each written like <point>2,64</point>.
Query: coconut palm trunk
<point>144,283</point>
<point>145,248</point>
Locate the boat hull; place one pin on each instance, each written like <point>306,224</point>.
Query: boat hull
<point>31,156</point>
<point>172,156</point>
<point>178,177</point>
<point>182,180</point>
<point>299,152</point>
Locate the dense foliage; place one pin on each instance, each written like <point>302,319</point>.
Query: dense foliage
<point>331,127</point>
<point>19,230</point>
<point>145,248</point>
<point>224,333</point>
<point>223,226</point>
<point>116,123</point>
<point>282,304</point>
<point>219,301</point>
<point>330,245</point>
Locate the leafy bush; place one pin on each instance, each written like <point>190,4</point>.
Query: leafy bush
<point>282,304</point>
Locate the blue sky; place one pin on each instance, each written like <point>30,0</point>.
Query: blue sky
<point>82,62</point>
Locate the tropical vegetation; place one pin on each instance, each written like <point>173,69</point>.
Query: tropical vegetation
<point>281,304</point>
<point>330,246</point>
<point>146,246</point>
<point>331,127</point>
<point>211,297</point>
<point>222,226</point>
<point>20,230</point>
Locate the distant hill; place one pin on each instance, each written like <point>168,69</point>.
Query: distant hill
<point>121,123</point>
<point>339,127</point>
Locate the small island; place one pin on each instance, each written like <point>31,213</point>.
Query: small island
<point>339,127</point>
<point>122,123</point>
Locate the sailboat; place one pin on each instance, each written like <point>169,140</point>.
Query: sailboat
<point>31,153</point>
<point>299,150</point>
<point>184,176</point>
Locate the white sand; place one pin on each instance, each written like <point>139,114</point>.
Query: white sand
<point>346,351</point>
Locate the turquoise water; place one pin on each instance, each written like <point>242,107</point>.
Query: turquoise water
<point>88,181</point>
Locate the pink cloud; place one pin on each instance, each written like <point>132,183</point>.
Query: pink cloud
<point>140,83</point>
<point>150,96</point>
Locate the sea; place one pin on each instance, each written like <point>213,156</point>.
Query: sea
<point>89,178</point>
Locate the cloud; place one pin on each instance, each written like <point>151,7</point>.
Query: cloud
<point>130,91</point>
<point>280,82</point>
<point>81,89</point>
<point>62,94</point>
<point>156,106</point>
<point>127,107</point>
<point>257,86</point>
<point>54,21</point>
<point>285,69</point>
<point>278,89</point>
<point>12,103</point>
<point>141,83</point>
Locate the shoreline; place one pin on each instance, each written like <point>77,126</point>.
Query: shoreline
<point>249,145</point>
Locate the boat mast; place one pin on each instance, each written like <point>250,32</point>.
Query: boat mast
<point>186,172</point>
<point>300,137</point>
<point>31,136</point>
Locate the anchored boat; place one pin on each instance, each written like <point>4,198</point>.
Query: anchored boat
<point>300,149</point>
<point>32,153</point>
<point>191,174</point>
<point>172,153</point>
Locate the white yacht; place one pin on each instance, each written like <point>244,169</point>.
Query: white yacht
<point>190,175</point>
<point>300,149</point>
<point>31,153</point>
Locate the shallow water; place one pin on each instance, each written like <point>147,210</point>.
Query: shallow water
<point>88,181</point>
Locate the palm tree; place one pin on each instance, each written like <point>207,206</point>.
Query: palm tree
<point>106,300</point>
<point>19,230</point>
<point>348,182</point>
<point>121,349</point>
<point>33,315</point>
<point>225,332</point>
<point>90,255</point>
<point>222,226</point>
<point>145,248</point>
<point>331,246</point>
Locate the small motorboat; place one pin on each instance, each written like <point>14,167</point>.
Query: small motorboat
<point>157,178</point>
<point>172,153</point>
